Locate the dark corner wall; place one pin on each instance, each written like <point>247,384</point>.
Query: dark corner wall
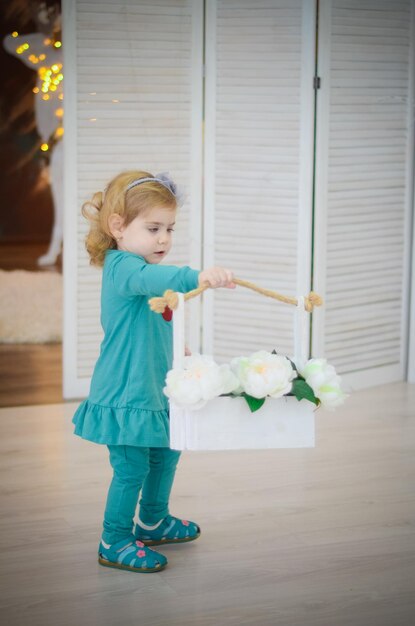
<point>26,209</point>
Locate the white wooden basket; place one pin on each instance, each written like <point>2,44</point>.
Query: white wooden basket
<point>227,423</point>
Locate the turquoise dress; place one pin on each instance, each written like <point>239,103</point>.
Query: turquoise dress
<point>126,404</point>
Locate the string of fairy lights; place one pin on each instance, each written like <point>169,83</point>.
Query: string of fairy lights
<point>51,77</point>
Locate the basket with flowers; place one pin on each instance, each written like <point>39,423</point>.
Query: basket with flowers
<point>264,400</point>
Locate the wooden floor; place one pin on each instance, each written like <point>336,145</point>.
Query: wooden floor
<point>29,373</point>
<point>319,537</point>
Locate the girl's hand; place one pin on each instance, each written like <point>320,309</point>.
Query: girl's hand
<point>217,277</point>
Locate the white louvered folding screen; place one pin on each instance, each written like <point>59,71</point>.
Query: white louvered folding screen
<point>133,99</point>
<point>364,153</point>
<point>258,167</point>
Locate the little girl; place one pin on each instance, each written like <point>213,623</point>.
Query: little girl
<point>131,232</point>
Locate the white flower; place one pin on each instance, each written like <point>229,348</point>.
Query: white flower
<point>264,374</point>
<point>331,395</point>
<point>322,378</point>
<point>200,380</point>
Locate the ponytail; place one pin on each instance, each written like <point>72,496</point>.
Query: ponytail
<point>99,239</point>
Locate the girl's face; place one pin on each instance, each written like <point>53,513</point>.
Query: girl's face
<point>150,235</point>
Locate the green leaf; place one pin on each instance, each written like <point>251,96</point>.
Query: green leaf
<point>302,390</point>
<point>253,403</point>
<point>294,366</point>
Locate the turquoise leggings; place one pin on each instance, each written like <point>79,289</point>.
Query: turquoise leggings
<point>150,470</point>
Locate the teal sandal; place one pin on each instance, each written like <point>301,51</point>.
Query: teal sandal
<point>171,530</point>
<point>132,555</point>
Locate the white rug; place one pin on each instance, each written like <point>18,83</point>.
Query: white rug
<point>30,307</point>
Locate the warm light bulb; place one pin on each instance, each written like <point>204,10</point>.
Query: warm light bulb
<point>59,112</point>
<point>46,96</point>
<point>55,68</point>
<point>60,96</point>
<point>44,147</point>
<point>59,132</point>
<point>35,89</point>
<point>57,44</point>
<point>42,57</point>
<point>15,34</point>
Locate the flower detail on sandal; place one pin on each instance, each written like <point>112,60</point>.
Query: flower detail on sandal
<point>171,530</point>
<point>124,555</point>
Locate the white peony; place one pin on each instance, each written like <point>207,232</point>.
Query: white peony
<point>331,395</point>
<point>264,374</point>
<point>324,381</point>
<point>200,380</point>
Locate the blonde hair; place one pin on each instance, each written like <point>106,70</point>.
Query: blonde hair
<point>138,201</point>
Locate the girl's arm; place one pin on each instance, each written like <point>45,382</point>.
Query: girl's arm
<point>132,276</point>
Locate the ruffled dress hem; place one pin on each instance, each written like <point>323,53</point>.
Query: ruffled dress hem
<point>126,426</point>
